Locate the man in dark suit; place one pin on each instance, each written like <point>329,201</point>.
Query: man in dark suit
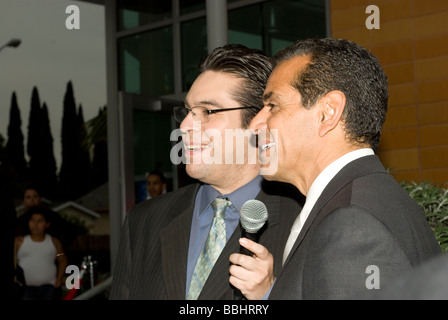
<point>325,104</point>
<point>163,238</point>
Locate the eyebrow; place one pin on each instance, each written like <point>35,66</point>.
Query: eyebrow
<point>271,95</point>
<point>212,103</point>
<point>267,95</point>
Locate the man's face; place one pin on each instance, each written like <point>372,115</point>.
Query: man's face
<point>31,198</point>
<point>37,224</point>
<point>210,157</point>
<point>154,185</point>
<point>284,114</point>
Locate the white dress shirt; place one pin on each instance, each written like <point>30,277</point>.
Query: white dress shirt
<point>316,189</point>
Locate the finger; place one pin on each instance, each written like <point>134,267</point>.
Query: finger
<point>256,248</point>
<point>242,260</point>
<point>239,272</point>
<point>237,283</point>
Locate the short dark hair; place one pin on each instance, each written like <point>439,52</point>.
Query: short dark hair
<point>40,209</point>
<point>251,65</point>
<point>158,173</point>
<point>338,64</point>
<point>30,186</point>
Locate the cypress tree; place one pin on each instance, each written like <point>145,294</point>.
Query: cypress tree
<point>15,147</point>
<point>34,138</point>
<point>47,162</point>
<point>84,165</point>
<point>68,176</point>
<point>100,174</point>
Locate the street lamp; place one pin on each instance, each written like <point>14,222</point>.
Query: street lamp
<point>14,43</point>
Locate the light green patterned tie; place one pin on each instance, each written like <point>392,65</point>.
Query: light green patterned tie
<point>214,244</point>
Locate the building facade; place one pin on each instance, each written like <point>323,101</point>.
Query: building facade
<point>154,47</point>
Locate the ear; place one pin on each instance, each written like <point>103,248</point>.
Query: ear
<point>332,106</point>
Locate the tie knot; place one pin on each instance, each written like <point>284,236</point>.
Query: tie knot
<point>219,206</point>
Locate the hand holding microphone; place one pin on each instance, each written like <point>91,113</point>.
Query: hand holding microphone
<point>252,272</point>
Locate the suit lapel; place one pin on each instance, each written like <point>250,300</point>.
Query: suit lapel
<point>351,171</point>
<point>273,206</point>
<point>175,239</point>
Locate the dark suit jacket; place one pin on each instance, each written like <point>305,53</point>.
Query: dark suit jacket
<point>152,256</point>
<point>428,281</point>
<point>362,218</point>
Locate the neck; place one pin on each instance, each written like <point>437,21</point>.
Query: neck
<point>322,160</point>
<point>37,237</point>
<point>236,180</point>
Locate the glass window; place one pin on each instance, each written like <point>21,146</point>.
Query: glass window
<point>152,147</point>
<point>246,26</point>
<point>194,48</point>
<point>146,63</point>
<point>272,25</point>
<point>289,20</point>
<point>152,143</point>
<point>187,6</point>
<point>134,13</point>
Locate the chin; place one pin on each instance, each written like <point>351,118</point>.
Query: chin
<point>270,177</point>
<point>195,171</point>
<point>273,175</point>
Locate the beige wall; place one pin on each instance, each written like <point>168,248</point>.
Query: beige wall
<point>412,46</point>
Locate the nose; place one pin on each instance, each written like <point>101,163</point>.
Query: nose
<point>187,124</point>
<point>258,123</point>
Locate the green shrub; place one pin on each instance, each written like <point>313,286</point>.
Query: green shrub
<point>434,201</point>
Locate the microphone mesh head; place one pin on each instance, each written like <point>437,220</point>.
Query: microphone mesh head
<point>253,215</point>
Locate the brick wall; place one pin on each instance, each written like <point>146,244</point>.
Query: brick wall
<point>412,46</point>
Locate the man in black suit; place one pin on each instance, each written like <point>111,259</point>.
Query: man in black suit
<point>163,238</point>
<point>324,105</point>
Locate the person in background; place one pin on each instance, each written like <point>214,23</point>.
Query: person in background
<point>41,257</point>
<point>359,229</point>
<point>31,197</point>
<point>155,184</point>
<point>167,240</point>
<point>62,229</point>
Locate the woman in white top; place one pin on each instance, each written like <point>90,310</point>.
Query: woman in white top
<point>41,257</point>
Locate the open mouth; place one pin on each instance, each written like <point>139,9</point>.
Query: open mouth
<point>197,147</point>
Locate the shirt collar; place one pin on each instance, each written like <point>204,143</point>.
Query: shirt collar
<point>237,197</point>
<point>330,171</point>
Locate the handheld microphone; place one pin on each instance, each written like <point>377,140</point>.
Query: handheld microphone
<point>253,215</point>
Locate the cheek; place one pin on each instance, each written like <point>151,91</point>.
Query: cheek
<point>293,134</point>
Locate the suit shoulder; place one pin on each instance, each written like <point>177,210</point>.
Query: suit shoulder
<point>285,192</point>
<point>166,200</point>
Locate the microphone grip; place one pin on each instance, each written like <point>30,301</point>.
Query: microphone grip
<point>251,236</point>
